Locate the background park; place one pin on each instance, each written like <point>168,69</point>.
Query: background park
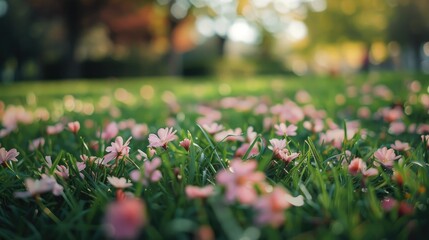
<point>198,119</point>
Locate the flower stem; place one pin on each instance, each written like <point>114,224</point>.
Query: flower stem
<point>47,211</point>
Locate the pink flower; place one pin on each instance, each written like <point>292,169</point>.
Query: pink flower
<point>239,181</point>
<point>80,167</point>
<point>125,218</point>
<point>251,135</point>
<point>400,146</point>
<point>110,131</point>
<point>61,170</point>
<point>199,192</point>
<point>357,166</point>
<point>74,126</point>
<point>117,150</point>
<point>151,173</point>
<point>55,129</point>
<point>212,128</point>
<point>165,135</point>
<point>364,112</point>
<point>242,150</point>
<point>270,207</point>
<point>315,126</point>
<point>119,182</point>
<point>36,144</point>
<point>283,130</point>
<point>388,204</point>
<point>139,130</point>
<point>185,143</point>
<point>397,128</point>
<point>36,187</point>
<point>8,155</point>
<point>229,135</point>
<point>386,156</point>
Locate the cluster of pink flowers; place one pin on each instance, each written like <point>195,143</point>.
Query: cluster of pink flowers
<point>240,182</point>
<point>37,187</point>
<point>278,146</point>
<point>150,172</point>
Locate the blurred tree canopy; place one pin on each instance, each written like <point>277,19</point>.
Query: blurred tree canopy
<point>52,39</point>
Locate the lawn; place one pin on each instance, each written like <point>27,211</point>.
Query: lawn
<point>268,157</point>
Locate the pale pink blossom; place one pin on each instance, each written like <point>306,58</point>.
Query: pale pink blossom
<point>55,129</point>
<point>302,96</point>
<point>61,170</point>
<point>125,218</point>
<point>229,135</point>
<point>311,112</point>
<point>185,143</point>
<point>73,126</point>
<point>283,130</point>
<point>37,187</point>
<point>314,126</point>
<point>270,207</point>
<point>357,166</point>
<point>138,131</point>
<point>110,131</point>
<point>117,150</point>
<point>289,111</point>
<point>15,115</point>
<point>335,137</point>
<point>212,128</point>
<point>126,124</point>
<point>277,144</point>
<point>165,135</point>
<point>400,146</point>
<point>80,167</point>
<point>397,128</point>
<point>8,155</point>
<point>241,151</point>
<point>251,135</point>
<point>422,128</point>
<point>150,172</point>
<point>119,182</point>
<point>239,181</point>
<point>36,144</point>
<point>386,156</point>
<point>383,92</point>
<point>193,192</point>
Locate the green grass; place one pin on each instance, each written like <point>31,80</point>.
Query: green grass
<point>337,205</point>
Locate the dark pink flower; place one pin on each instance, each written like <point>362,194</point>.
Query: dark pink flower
<point>125,218</point>
<point>185,143</point>
<point>73,126</point>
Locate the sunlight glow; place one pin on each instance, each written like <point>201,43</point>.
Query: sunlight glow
<point>242,31</point>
